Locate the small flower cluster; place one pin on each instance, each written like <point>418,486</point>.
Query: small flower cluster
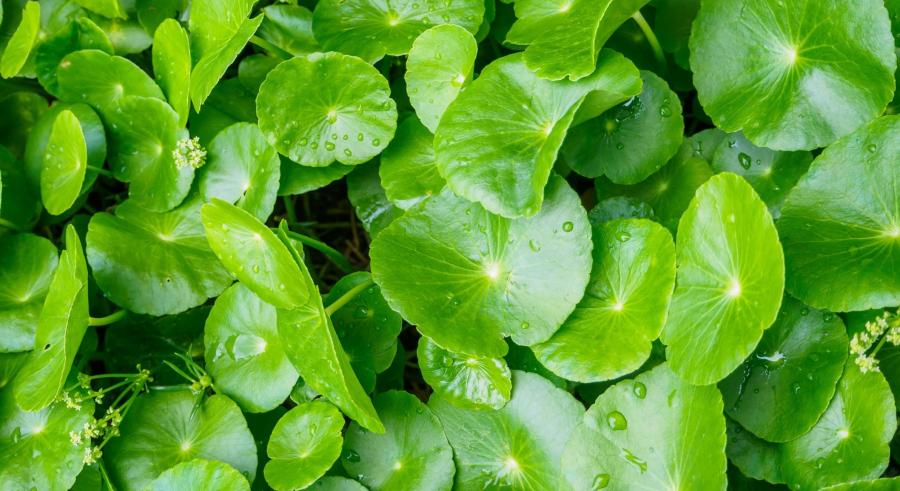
<point>188,152</point>
<point>885,328</point>
<point>107,426</point>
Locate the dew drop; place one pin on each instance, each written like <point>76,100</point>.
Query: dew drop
<point>524,325</point>
<point>732,143</point>
<point>376,142</point>
<point>795,388</point>
<point>361,312</point>
<point>329,146</point>
<point>351,455</point>
<point>620,146</point>
<point>256,268</point>
<point>600,482</point>
<point>640,390</point>
<point>640,463</point>
<point>745,160</point>
<point>360,137</point>
<point>534,246</point>
<point>303,142</point>
<point>872,148</point>
<point>616,421</point>
<point>568,226</point>
<point>665,112</point>
<point>623,237</point>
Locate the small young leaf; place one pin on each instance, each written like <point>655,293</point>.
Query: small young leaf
<point>304,444</point>
<point>65,164</point>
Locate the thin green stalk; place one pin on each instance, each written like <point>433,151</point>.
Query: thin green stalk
<point>10,225</point>
<point>289,210</point>
<point>345,298</point>
<point>102,172</point>
<point>109,319</point>
<point>271,48</point>
<point>105,476</point>
<point>329,252</point>
<point>651,40</point>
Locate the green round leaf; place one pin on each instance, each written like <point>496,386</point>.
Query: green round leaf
<point>439,66</point>
<point>669,190</point>
<point>617,142</point>
<point>200,474</point>
<point>19,46</point>
<point>465,381</point>
<point>619,207</point>
<point>779,71</point>
<point>413,453</point>
<point>468,278</point>
<point>166,428</point>
<point>300,179</point>
<point>27,263</point>
<point>144,133</point>
<point>128,36</point>
<point>850,441</point>
<point>325,107</point>
<point>771,173</point>
<point>253,254</point>
<point>783,388</point>
<point>102,81</point>
<point>91,129</point>
<point>289,27</point>
<point>80,34</point>
<point>175,270</point>
<point>65,164</point>
<point>729,284</point>
<point>211,67</point>
<point>61,326</point>
<point>368,197</point>
<point>564,36</point>
<point>623,311</point>
<point>497,141</point>
<point>244,354</point>
<point>517,447</point>
<point>407,168</point>
<point>755,457</point>
<point>35,447</point>
<point>704,143</point>
<point>106,8</point>
<point>841,224</point>
<point>305,443</point>
<point>653,432</point>
<point>370,29</point>
<point>242,168</point>
<point>366,325</point>
<point>172,65</point>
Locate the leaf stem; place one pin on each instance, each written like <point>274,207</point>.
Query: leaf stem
<point>652,41</point>
<point>331,253</point>
<point>289,210</point>
<point>102,172</point>
<point>345,298</point>
<point>109,319</point>
<point>10,225</point>
<point>271,48</point>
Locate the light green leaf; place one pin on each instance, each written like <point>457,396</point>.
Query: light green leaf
<point>783,388</point>
<point>407,168</point>
<point>653,432</point>
<point>65,164</point>
<point>289,27</point>
<point>200,474</point>
<point>244,354</point>
<point>91,128</point>
<point>305,443</point>
<point>35,447</point>
<point>176,269</point>
<point>616,143</point>
<point>497,141</point>
<point>102,81</point>
<point>623,311</point>
<point>62,324</point>
<point>127,36</point>
<point>372,28</point>
<point>325,107</point>
<point>564,36</point>
<point>517,447</point>
<point>166,428</point>
<point>80,34</point>
<point>841,224</point>
<point>413,453</point>
<point>106,8</point>
<point>439,67</point>
<point>337,483</point>
<point>467,278</point>
<point>465,381</point>
<point>729,284</point>
<point>210,68</point>
<point>242,168</point>
<point>27,263</point>
<point>793,76</point>
<point>19,47</point>
<point>254,255</point>
<point>172,65</point>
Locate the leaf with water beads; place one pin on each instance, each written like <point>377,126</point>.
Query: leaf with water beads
<point>631,141</point>
<point>841,224</point>
<point>778,70</point>
<point>465,381</point>
<point>653,431</point>
<point>486,276</point>
<point>200,474</point>
<point>176,269</point>
<point>413,453</point>
<point>304,444</point>
<point>322,108</point>
<point>27,263</point>
<point>166,428</point>
<point>519,446</point>
<point>102,81</point>
<point>729,283</point>
<point>611,330</point>
<point>243,352</point>
<point>65,164</point>
<point>782,389</point>
<point>371,29</point>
